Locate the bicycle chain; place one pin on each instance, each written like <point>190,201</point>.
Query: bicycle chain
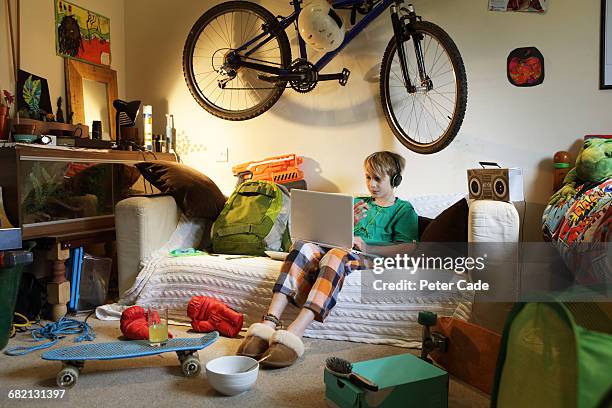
<point>259,88</point>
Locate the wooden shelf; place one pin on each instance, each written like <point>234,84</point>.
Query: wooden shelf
<point>47,128</point>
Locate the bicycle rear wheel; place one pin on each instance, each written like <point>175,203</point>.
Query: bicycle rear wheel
<point>215,35</point>
<point>427,120</point>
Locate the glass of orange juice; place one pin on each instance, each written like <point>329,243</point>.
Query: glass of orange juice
<point>157,319</point>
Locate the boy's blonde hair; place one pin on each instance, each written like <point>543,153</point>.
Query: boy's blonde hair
<point>381,163</point>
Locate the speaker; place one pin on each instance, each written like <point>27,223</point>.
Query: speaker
<point>496,184</point>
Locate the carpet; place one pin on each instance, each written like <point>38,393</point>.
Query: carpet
<point>157,381</point>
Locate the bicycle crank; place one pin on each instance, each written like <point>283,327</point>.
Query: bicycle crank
<point>303,76</point>
<point>341,77</point>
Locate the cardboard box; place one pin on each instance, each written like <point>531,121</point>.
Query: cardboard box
<point>404,381</point>
<point>496,184</point>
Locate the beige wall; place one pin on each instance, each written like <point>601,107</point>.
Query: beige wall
<point>38,43</point>
<point>335,128</point>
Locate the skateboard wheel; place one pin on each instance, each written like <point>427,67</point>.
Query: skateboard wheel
<point>191,366</point>
<point>67,377</point>
<point>427,318</point>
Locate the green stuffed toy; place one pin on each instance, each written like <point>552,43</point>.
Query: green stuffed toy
<point>593,164</point>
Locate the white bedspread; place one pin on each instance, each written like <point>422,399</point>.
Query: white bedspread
<point>245,284</point>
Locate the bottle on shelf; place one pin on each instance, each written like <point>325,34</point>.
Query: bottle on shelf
<point>561,163</point>
<point>147,116</point>
<point>170,134</point>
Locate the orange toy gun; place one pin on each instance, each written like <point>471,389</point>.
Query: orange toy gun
<point>279,169</point>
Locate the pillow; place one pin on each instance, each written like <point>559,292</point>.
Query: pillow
<point>423,223</point>
<point>195,194</point>
<point>450,226</point>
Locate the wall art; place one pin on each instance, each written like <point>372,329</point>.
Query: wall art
<point>605,71</point>
<point>33,98</point>
<point>81,34</point>
<point>536,6</point>
<point>525,67</point>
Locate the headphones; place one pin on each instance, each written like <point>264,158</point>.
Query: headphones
<point>396,179</point>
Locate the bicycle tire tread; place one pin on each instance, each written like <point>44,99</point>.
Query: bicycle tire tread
<point>461,104</point>
<point>192,39</point>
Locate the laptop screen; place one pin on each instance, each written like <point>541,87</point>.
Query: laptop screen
<point>322,218</point>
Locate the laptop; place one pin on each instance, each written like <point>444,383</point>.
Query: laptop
<point>325,219</point>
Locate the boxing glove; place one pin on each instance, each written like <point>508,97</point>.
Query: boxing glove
<point>208,314</point>
<point>134,324</point>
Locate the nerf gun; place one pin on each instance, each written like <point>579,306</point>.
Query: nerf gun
<point>279,169</point>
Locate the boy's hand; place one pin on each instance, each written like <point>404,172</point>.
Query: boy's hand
<point>359,244</point>
<point>360,210</point>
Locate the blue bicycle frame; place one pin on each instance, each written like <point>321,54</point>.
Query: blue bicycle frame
<point>285,22</point>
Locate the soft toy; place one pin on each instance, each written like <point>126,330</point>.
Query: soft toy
<point>593,165</point>
<point>134,324</point>
<point>208,314</point>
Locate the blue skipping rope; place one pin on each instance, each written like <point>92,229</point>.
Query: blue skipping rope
<point>55,331</point>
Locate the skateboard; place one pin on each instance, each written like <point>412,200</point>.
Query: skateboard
<point>73,358</point>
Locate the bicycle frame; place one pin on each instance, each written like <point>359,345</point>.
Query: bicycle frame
<point>285,22</point>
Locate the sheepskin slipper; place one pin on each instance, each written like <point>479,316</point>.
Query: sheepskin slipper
<point>285,348</point>
<point>256,342</point>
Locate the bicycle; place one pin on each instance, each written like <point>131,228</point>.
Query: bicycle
<point>237,63</point>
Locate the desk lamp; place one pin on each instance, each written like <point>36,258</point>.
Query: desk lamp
<point>125,117</point>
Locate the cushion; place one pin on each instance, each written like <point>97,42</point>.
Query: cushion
<point>196,195</point>
<point>423,224</point>
<point>450,226</point>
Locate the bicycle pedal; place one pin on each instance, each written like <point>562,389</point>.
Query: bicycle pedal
<point>345,77</point>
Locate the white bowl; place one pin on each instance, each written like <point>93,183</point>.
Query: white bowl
<point>225,374</point>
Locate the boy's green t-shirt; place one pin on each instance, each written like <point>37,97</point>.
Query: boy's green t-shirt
<point>386,225</point>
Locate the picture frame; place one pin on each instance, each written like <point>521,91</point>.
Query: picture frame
<point>32,95</point>
<point>605,65</point>
<point>82,34</point>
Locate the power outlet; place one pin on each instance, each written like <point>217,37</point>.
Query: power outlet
<point>221,154</point>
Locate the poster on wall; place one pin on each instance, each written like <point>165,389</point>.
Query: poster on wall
<point>525,67</point>
<point>33,100</point>
<point>536,6</point>
<point>81,34</point>
<point>605,75</point>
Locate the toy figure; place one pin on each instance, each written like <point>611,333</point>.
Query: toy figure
<point>593,165</point>
<point>60,113</point>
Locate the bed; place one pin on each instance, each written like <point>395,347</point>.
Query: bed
<point>148,228</point>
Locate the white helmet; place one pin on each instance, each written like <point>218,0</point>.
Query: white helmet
<point>320,26</point>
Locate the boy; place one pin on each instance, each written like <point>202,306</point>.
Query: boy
<point>311,277</point>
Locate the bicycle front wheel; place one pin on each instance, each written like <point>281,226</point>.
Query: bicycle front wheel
<point>226,89</point>
<point>427,119</point>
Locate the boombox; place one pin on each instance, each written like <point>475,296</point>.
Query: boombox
<point>495,184</point>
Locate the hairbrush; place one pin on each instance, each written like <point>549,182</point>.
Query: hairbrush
<point>344,369</point>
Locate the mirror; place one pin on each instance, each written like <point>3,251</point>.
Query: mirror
<point>90,91</point>
<point>95,97</point>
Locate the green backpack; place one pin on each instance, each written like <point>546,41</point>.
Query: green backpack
<point>254,219</point>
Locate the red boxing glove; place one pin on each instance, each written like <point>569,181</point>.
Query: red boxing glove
<point>208,314</point>
<point>134,324</point>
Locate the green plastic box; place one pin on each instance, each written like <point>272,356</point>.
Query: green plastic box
<point>404,381</point>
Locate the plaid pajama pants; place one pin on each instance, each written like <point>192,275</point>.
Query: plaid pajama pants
<point>312,276</point>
